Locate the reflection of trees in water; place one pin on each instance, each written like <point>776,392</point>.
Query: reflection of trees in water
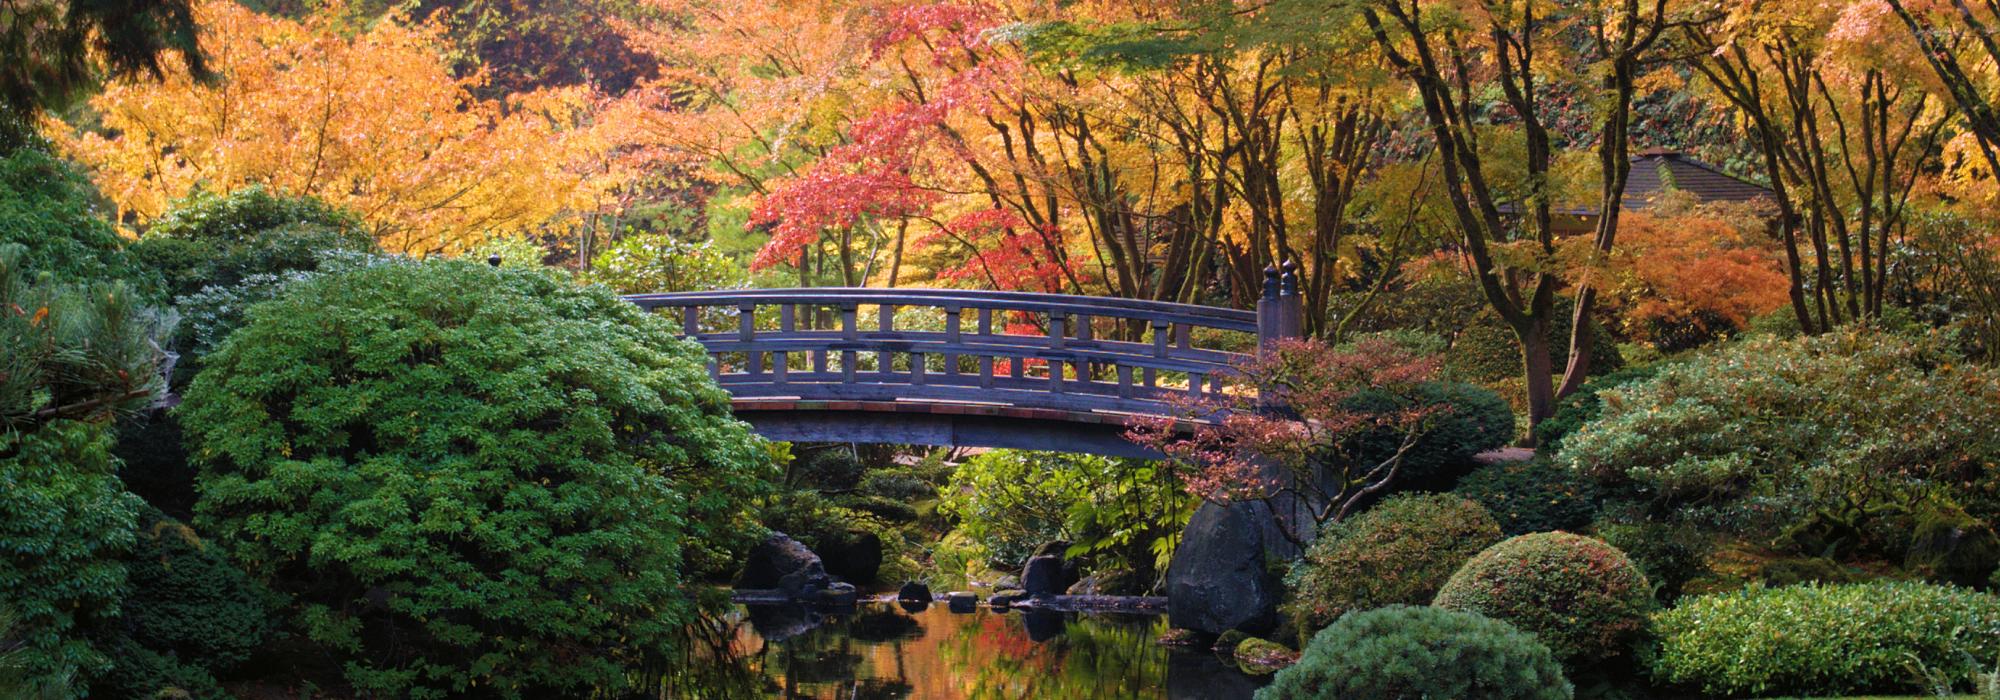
<point>881,653</point>
<point>1092,657</point>
<point>793,652</point>
<point>711,666</point>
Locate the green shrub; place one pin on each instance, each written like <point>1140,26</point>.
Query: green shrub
<point>1532,496</point>
<point>1824,640</point>
<point>48,207</point>
<point>72,357</point>
<point>139,672</point>
<point>218,240</point>
<point>1418,652</point>
<point>658,262</point>
<point>189,614</point>
<point>1671,554</point>
<point>64,523</point>
<point>461,475</point>
<point>1948,545</point>
<point>1401,551</point>
<point>72,351</point>
<point>1578,595</point>
<point>1477,420</point>
<point>1583,406</point>
<point>1417,342</point>
<point>1819,445</point>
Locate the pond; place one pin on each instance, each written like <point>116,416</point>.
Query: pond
<point>882,651</point>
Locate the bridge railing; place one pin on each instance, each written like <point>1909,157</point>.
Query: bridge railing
<point>1010,349</point>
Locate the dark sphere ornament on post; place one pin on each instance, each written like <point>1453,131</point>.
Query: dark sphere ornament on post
<point>493,259</point>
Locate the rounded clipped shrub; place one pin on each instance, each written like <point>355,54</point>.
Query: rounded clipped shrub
<point>1578,595</point>
<point>1419,652</point>
<point>1532,496</point>
<point>1401,551</point>
<point>460,476</point>
<point>1476,420</point>
<point>1816,640</point>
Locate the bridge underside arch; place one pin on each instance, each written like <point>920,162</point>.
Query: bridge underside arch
<point>942,424</point>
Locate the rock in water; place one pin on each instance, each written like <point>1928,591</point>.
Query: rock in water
<point>1217,581</point>
<point>1044,575</point>
<point>961,601</point>
<point>1262,657</point>
<point>783,564</point>
<point>855,556</point>
<point>914,592</point>
<point>839,595</point>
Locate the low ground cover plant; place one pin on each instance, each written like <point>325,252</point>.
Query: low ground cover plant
<point>1818,640</point>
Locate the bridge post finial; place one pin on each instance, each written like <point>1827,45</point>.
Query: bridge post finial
<point>1270,312</point>
<point>1291,304</point>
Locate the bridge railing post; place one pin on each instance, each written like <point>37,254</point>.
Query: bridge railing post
<point>1281,311</point>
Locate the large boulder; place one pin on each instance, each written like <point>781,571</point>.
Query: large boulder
<point>914,592</point>
<point>1047,574</point>
<point>782,564</point>
<point>853,556</point>
<point>1217,581</point>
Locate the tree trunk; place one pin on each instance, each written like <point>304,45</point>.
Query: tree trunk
<point>1539,369</point>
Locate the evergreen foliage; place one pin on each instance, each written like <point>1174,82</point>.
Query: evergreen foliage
<point>1814,640</point>
<point>1421,652</point>
<point>50,209</point>
<point>189,614</point>
<point>461,476</point>
<point>219,240</point>
<point>1472,421</point>
<point>64,525</point>
<point>1828,445</point>
<point>1532,496</point>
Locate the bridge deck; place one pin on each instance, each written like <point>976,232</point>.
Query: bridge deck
<point>947,366</point>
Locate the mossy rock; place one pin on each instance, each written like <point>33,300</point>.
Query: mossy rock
<point>1263,657</point>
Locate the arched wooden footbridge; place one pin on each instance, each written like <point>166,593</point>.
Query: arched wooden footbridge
<point>966,367</point>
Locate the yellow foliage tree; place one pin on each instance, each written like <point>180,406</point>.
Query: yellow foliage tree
<point>374,121</point>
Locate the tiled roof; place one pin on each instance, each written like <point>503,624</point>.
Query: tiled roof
<point>1656,170</point>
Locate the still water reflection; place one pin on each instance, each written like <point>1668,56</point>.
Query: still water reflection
<point>883,652</point>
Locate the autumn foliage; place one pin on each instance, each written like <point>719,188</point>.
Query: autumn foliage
<point>1698,271</point>
<point>1295,439</point>
<point>375,122</point>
